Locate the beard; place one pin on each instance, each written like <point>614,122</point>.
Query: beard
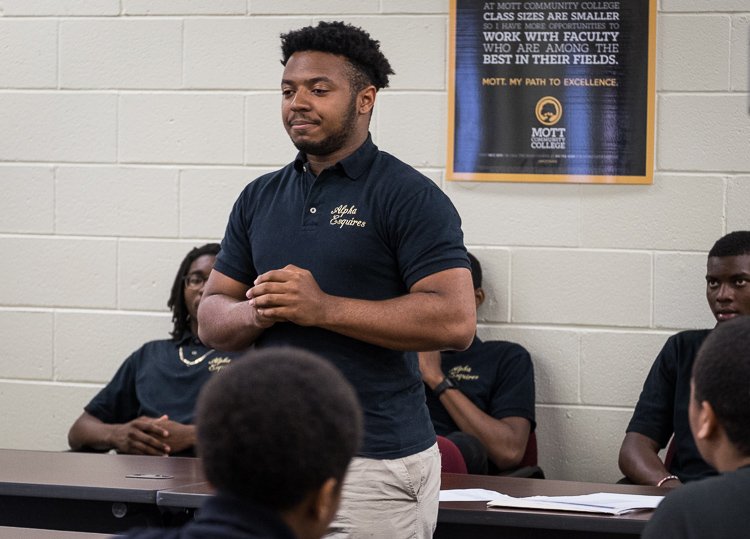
<point>335,141</point>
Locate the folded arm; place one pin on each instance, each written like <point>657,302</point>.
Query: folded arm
<point>504,439</point>
<point>437,313</point>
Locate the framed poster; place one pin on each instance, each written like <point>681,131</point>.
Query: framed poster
<point>552,91</point>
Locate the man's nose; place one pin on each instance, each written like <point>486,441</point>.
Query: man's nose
<point>725,293</point>
<point>300,101</point>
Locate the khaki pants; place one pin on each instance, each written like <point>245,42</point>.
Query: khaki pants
<point>389,499</point>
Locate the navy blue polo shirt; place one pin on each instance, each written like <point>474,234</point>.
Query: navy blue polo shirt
<point>153,381</point>
<point>368,227</point>
<point>662,408</point>
<point>497,376</point>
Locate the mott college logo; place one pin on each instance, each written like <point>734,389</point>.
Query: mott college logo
<point>548,111</point>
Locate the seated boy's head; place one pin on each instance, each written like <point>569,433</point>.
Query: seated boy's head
<point>187,289</point>
<point>476,279</point>
<point>278,428</point>
<point>728,276</point>
<point>720,402</point>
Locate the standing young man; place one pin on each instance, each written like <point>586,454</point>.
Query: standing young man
<point>352,254</point>
<point>662,408</point>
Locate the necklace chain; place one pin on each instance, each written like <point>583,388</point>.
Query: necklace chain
<point>190,363</point>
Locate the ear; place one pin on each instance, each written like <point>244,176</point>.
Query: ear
<point>325,501</point>
<point>478,296</point>
<point>707,427</point>
<point>366,100</point>
<point>310,519</point>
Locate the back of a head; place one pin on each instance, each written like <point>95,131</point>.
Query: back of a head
<point>721,375</point>
<point>275,425</point>
<point>733,244</point>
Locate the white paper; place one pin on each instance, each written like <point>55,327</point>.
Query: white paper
<point>602,502</point>
<point>469,495</point>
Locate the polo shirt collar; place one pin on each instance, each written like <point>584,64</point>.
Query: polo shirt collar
<point>353,165</point>
<point>188,338</point>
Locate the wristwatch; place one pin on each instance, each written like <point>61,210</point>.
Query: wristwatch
<point>447,383</point>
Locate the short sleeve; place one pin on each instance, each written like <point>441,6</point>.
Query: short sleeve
<point>426,230</point>
<point>654,413</point>
<point>118,402</point>
<point>513,392</point>
<point>235,260</point>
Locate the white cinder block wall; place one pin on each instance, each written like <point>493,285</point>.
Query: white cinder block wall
<point>128,127</point>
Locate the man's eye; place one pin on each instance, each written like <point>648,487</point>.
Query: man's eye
<point>740,282</point>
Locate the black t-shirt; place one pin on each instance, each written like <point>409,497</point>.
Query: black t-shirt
<point>714,507</point>
<point>662,408</point>
<point>497,376</point>
<point>224,516</point>
<point>153,381</point>
<point>368,227</point>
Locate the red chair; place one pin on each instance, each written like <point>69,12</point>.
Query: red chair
<point>451,459</point>
<point>528,465</point>
<point>670,454</point>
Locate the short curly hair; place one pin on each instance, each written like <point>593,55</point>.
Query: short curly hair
<point>721,376</point>
<point>735,243</point>
<point>371,67</point>
<point>276,424</point>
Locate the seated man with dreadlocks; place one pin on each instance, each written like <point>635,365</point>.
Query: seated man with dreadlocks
<point>147,408</point>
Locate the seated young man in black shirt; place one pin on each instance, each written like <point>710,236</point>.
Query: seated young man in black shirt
<point>662,408</point>
<point>720,422</point>
<point>276,432</point>
<point>147,408</point>
<point>485,402</point>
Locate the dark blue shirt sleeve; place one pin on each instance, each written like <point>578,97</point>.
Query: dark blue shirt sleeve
<point>513,393</point>
<point>235,260</point>
<point>654,413</point>
<point>117,402</point>
<point>426,230</point>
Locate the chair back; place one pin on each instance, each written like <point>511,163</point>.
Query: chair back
<point>670,454</point>
<point>450,457</point>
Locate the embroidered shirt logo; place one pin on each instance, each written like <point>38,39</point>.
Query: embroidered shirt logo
<point>218,363</point>
<point>344,216</point>
<point>462,372</point>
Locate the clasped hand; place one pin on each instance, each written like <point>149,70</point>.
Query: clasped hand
<point>149,436</point>
<point>287,295</point>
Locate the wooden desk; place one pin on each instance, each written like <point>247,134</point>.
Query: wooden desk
<point>33,533</point>
<point>187,497</point>
<point>476,520</point>
<point>87,491</point>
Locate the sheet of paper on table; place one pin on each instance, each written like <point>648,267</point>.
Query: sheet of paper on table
<point>602,502</point>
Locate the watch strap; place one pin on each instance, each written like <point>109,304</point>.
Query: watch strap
<point>447,383</point>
